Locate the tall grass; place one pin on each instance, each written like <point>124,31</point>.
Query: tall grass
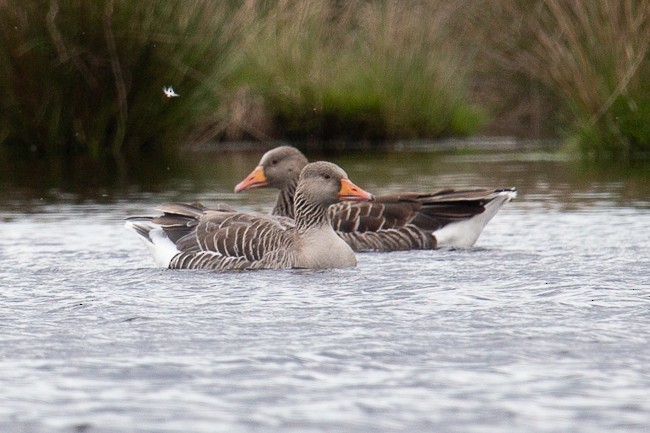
<point>86,76</point>
<point>595,56</point>
<point>359,70</point>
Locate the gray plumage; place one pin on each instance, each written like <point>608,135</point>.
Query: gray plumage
<point>404,221</point>
<point>220,240</point>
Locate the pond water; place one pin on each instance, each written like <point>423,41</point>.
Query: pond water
<point>543,326</point>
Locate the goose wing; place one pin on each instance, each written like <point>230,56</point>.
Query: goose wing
<point>425,211</point>
<point>383,213</point>
<point>179,219</point>
<point>405,221</point>
<point>455,205</point>
<point>382,225</point>
<point>234,240</point>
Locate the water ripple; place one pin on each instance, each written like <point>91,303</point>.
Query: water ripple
<point>543,327</point>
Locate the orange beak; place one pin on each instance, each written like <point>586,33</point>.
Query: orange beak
<point>351,192</point>
<point>254,180</point>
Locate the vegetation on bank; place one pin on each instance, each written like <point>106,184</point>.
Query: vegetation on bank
<point>594,57</point>
<point>86,76</point>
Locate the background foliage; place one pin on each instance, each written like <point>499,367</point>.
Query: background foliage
<point>85,77</point>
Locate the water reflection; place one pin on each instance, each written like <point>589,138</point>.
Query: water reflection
<point>542,178</point>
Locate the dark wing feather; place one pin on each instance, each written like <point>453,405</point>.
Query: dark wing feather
<point>404,221</point>
<point>180,219</point>
<point>447,206</point>
<point>373,216</point>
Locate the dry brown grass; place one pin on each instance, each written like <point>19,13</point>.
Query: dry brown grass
<point>593,55</point>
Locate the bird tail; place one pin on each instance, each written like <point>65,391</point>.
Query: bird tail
<point>464,231</point>
<point>161,247</point>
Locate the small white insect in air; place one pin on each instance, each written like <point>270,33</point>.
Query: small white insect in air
<point>169,92</point>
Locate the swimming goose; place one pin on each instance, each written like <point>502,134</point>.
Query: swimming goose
<point>193,237</point>
<point>403,221</point>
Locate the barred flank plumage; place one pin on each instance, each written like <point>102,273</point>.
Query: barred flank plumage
<point>408,237</point>
<point>231,240</point>
<point>193,237</point>
<point>207,260</point>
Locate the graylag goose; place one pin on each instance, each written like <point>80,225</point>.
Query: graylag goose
<point>193,237</point>
<point>401,221</point>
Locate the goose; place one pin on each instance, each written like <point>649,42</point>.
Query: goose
<point>392,222</point>
<point>190,236</point>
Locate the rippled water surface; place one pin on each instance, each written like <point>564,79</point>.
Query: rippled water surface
<point>544,326</point>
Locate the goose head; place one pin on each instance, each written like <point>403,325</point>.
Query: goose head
<point>278,168</point>
<point>323,183</point>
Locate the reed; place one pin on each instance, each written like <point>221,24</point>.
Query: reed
<point>86,76</point>
<point>359,70</point>
<point>595,57</point>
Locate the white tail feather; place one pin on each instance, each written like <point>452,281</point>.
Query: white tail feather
<point>152,235</point>
<point>463,234</point>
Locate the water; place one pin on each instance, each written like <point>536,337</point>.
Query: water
<point>544,326</point>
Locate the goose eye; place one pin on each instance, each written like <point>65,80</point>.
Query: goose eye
<point>274,161</point>
<point>327,176</point>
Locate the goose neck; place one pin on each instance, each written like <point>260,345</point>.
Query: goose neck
<point>309,215</point>
<point>284,204</point>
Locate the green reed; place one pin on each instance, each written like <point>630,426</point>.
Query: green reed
<point>595,57</point>
<point>361,70</point>
<point>86,76</point>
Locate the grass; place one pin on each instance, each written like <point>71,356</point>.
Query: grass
<point>364,70</point>
<point>85,77</point>
<point>595,57</point>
